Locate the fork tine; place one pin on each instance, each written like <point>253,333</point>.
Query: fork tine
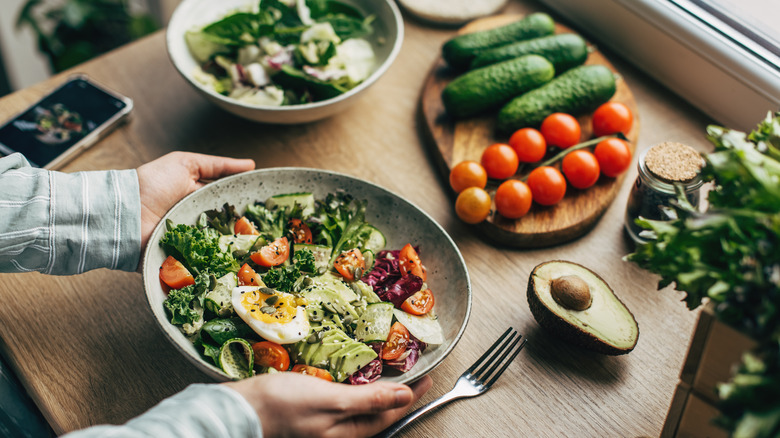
<point>488,352</point>
<point>495,352</point>
<point>506,364</point>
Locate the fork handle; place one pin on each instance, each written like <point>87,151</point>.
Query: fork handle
<point>419,412</point>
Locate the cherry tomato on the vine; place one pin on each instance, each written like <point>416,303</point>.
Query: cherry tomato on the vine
<point>500,161</point>
<point>547,185</point>
<point>529,144</point>
<point>610,118</point>
<point>467,174</point>
<point>513,199</point>
<point>581,168</point>
<point>560,129</point>
<point>614,156</point>
<point>473,205</point>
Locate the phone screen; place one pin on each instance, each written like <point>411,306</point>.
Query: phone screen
<point>59,121</point>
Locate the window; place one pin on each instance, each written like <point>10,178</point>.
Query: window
<point>723,59</point>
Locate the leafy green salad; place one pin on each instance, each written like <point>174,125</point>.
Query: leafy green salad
<point>298,284</point>
<point>284,52</point>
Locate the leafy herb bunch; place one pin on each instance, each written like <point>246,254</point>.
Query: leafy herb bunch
<point>730,255</point>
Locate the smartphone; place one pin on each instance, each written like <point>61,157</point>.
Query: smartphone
<point>64,123</point>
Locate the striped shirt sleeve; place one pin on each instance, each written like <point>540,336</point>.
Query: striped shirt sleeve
<point>63,224</point>
<point>200,411</point>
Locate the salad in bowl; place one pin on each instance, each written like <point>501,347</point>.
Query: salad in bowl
<point>304,283</point>
<point>283,61</point>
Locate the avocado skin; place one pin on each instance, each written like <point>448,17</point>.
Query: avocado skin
<point>556,325</point>
<point>574,92</point>
<point>489,87</point>
<point>564,51</point>
<point>459,51</point>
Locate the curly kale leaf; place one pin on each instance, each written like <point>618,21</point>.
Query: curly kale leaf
<point>287,278</point>
<point>180,305</point>
<point>198,249</point>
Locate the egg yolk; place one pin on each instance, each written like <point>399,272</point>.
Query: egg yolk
<point>278,309</point>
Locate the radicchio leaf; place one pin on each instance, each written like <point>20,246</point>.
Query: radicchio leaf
<point>409,358</point>
<point>387,281</point>
<point>372,371</point>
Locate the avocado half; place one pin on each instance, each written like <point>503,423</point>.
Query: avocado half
<point>557,289</point>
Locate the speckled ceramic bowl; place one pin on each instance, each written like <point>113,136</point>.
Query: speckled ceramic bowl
<point>400,221</point>
<point>387,39</point>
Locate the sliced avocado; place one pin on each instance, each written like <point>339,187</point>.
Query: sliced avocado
<point>350,359</point>
<point>557,289</point>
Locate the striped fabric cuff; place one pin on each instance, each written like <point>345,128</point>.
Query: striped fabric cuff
<point>96,221</point>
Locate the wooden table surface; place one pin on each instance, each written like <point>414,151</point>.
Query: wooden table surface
<point>89,351</point>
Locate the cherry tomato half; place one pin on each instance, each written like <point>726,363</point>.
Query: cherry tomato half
<point>561,130</point>
<point>301,233</point>
<point>397,341</point>
<point>350,264</point>
<point>244,226</point>
<point>500,161</point>
<point>614,156</point>
<point>174,274</point>
<point>418,304</point>
<point>529,144</point>
<point>547,185</point>
<point>467,174</point>
<point>581,168</point>
<point>271,354</point>
<point>248,277</point>
<point>409,262</point>
<point>273,254</point>
<point>610,118</point>
<point>473,205</point>
<point>513,199</point>
<point>312,371</point>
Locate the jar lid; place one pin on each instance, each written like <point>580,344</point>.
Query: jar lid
<point>673,162</point>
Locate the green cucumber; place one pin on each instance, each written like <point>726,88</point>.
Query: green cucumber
<point>459,51</point>
<point>374,323</point>
<point>236,358</point>
<point>576,91</point>
<point>490,87</point>
<point>372,239</point>
<point>564,51</point>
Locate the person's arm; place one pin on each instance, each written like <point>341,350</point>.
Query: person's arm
<point>61,224</point>
<point>207,411</point>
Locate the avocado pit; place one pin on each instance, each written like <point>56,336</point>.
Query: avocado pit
<point>571,292</point>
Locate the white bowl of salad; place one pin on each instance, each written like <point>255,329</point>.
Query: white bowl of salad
<point>284,61</point>
<point>304,270</point>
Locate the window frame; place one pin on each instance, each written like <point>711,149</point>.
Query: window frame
<point>708,63</point>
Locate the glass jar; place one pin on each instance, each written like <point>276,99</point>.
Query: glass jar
<point>654,189</point>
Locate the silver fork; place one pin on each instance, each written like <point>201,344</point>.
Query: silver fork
<point>475,380</point>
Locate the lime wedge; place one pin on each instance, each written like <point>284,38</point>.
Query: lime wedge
<point>236,358</point>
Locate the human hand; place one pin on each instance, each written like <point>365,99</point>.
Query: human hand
<point>297,405</point>
<point>164,181</point>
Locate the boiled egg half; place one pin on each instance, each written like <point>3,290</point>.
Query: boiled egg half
<point>276,316</point>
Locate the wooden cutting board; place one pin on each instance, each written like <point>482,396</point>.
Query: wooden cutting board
<point>456,141</point>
